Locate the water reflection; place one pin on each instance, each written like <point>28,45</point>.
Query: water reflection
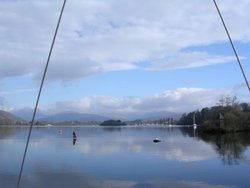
<point>53,179</point>
<point>124,157</point>
<point>173,145</point>
<point>230,146</point>
<point>7,131</point>
<point>111,128</point>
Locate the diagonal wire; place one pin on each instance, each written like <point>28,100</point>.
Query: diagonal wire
<point>232,44</point>
<point>39,94</point>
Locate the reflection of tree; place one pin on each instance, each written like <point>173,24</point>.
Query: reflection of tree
<point>230,146</point>
<point>111,128</point>
<point>188,131</point>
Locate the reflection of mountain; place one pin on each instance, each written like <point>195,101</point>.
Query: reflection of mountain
<point>5,132</point>
<point>7,118</point>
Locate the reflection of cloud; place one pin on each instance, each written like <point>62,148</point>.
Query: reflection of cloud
<point>184,150</point>
<point>188,184</point>
<point>171,148</point>
<point>102,159</point>
<point>66,178</point>
<point>181,155</point>
<point>86,147</point>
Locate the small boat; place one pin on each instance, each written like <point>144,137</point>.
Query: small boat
<point>74,135</point>
<point>156,140</point>
<point>194,124</point>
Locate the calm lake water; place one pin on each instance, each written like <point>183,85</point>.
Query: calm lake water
<point>123,157</point>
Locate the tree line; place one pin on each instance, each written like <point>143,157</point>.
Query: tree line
<point>227,115</point>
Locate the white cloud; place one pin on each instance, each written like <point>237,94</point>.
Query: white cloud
<point>189,60</point>
<point>85,104</point>
<point>16,92</point>
<point>179,100</point>
<point>101,36</point>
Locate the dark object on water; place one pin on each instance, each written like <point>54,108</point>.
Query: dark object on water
<point>74,134</point>
<point>74,137</point>
<point>156,140</point>
<point>74,141</point>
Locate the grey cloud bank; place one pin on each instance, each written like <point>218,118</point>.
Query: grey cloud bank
<point>103,36</point>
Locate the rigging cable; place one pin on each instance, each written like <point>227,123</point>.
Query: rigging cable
<point>39,94</point>
<point>231,42</point>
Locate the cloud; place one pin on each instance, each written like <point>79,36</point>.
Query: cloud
<point>1,102</point>
<point>179,100</point>
<point>102,36</point>
<point>184,60</point>
<point>17,91</point>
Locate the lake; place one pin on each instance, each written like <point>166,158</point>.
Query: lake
<point>123,157</point>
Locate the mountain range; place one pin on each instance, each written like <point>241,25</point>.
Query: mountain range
<point>73,116</point>
<point>7,118</point>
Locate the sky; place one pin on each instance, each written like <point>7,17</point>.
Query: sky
<point>126,56</point>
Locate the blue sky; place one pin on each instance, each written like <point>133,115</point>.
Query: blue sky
<point>118,57</point>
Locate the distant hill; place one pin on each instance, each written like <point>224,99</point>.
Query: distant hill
<point>27,113</point>
<point>73,116</point>
<point>7,118</point>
